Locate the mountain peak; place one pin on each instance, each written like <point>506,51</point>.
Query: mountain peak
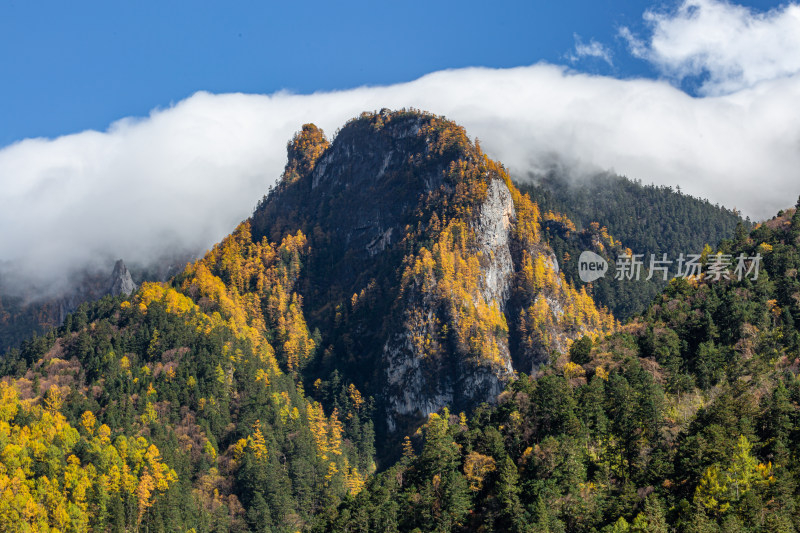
<point>366,186</point>
<point>418,242</point>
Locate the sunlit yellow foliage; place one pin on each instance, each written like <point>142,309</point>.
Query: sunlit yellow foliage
<point>476,467</point>
<point>298,345</point>
<point>573,370</point>
<point>538,274</point>
<point>561,219</point>
<point>335,433</point>
<point>444,135</point>
<point>607,237</point>
<point>239,285</point>
<point>152,292</point>
<point>149,416</point>
<point>764,248</point>
<point>726,483</point>
<point>527,229</point>
<point>355,396</point>
<point>408,448</point>
<point>256,442</point>
<point>332,471</point>
<point>44,485</point>
<point>88,422</point>
<point>355,481</point>
<point>209,450</point>
<point>304,149</point>
<point>327,432</point>
<point>238,449</point>
<point>282,401</point>
<point>319,427</point>
<point>558,311</point>
<point>246,283</point>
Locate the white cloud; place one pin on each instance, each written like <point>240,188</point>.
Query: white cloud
<point>729,45</point>
<point>592,49</point>
<point>184,176</point>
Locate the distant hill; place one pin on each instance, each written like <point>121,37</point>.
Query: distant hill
<point>26,311</point>
<point>645,219</point>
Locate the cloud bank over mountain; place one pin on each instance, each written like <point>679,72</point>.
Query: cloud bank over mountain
<point>185,175</point>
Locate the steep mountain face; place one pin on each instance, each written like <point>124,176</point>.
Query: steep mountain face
<point>426,275</point>
<point>420,384</point>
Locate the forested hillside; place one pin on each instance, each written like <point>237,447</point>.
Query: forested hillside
<point>645,219</point>
<point>179,408</point>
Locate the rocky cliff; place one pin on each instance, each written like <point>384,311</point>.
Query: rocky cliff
<point>419,384</point>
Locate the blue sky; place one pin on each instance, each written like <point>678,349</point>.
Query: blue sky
<point>71,66</point>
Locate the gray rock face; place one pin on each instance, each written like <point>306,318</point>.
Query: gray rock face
<point>369,168</point>
<point>493,230</point>
<point>121,281</point>
<point>418,384</point>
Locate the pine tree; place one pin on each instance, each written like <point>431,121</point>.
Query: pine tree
<point>795,229</point>
<point>511,516</point>
<point>408,448</point>
<point>580,350</point>
<point>655,515</point>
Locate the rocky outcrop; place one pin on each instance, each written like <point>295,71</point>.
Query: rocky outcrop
<point>121,281</point>
<point>493,232</point>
